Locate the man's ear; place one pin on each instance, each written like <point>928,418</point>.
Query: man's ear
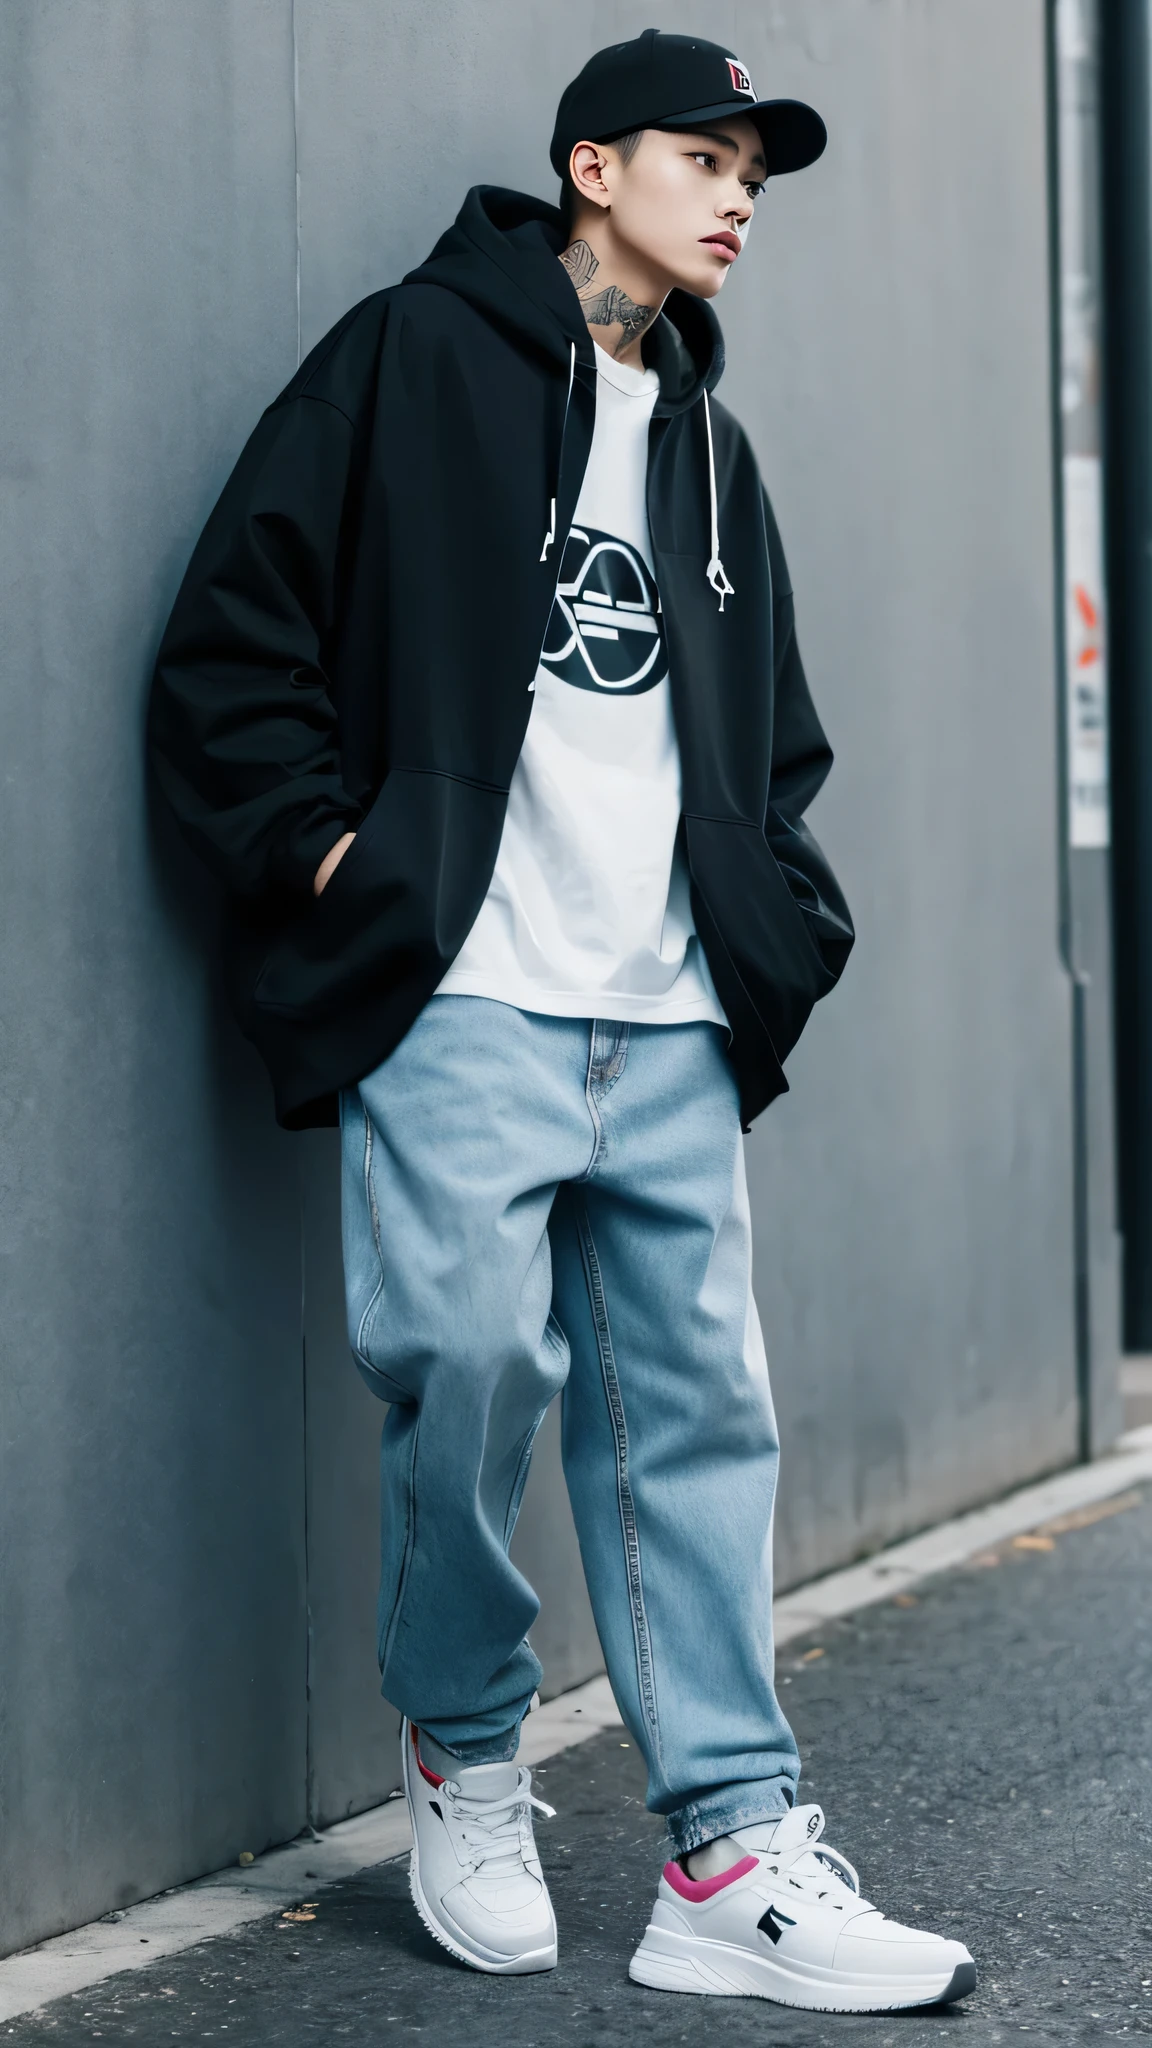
<point>586,167</point>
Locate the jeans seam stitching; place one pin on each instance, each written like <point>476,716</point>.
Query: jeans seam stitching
<point>593,1111</point>
<point>520,1478</point>
<point>374,1212</point>
<point>641,1636</point>
<point>389,1633</point>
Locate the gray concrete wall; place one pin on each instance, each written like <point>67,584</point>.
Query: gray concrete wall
<point>192,190</point>
<point>152,1640</point>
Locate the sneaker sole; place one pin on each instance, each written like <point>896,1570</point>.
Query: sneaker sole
<point>495,1966</point>
<point>712,1969</point>
<point>516,1966</point>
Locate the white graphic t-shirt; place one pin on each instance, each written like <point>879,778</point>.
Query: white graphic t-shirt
<point>588,913</point>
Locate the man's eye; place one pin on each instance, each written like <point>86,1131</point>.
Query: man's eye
<point>754,189</point>
<point>703,157</point>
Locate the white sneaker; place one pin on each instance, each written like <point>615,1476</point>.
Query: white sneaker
<point>475,1874</point>
<point>787,1922</point>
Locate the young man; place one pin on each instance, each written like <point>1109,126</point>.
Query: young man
<point>482,694</point>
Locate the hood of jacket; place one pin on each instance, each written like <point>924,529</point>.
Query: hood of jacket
<point>500,254</point>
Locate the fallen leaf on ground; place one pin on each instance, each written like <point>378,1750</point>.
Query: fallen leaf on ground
<point>810,1656</point>
<point>1096,1511</point>
<point>1033,1543</point>
<point>904,1600</point>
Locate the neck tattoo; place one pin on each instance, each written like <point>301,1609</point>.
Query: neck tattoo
<point>606,305</point>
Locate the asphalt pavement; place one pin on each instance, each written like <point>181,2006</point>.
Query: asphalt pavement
<point>983,1752</point>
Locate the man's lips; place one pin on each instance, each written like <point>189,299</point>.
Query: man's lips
<point>723,242</point>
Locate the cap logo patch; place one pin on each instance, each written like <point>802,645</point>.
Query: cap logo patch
<point>740,79</point>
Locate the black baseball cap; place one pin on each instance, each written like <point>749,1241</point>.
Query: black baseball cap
<point>663,81</point>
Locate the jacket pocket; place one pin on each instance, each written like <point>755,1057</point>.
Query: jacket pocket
<point>399,906</point>
<point>762,928</point>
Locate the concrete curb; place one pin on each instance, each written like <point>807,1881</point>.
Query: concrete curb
<point>953,1543</point>
<point>216,1905</point>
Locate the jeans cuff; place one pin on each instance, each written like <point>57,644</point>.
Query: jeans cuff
<point>498,1750</point>
<point>722,1812</point>
<point>498,1746</point>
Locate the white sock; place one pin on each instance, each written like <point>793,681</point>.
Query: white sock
<point>714,1858</point>
<point>439,1760</point>
<point>446,1765</point>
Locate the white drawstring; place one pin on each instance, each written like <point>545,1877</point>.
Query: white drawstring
<point>716,573</point>
<point>550,536</point>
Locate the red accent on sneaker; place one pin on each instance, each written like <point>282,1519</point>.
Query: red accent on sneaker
<point>699,1889</point>
<point>425,1773</point>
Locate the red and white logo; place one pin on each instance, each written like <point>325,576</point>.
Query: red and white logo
<point>740,79</point>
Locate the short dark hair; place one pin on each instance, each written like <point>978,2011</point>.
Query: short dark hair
<point>627,145</point>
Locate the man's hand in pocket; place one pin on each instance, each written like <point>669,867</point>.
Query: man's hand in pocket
<point>330,863</point>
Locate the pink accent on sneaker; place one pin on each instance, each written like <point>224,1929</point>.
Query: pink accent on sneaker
<point>699,1889</point>
<point>429,1776</point>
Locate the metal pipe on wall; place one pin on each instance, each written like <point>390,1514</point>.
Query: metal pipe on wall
<point>1080,423</point>
<point>1085,820</point>
<point>1127,190</point>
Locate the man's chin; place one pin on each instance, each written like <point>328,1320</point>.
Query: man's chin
<point>703,279</point>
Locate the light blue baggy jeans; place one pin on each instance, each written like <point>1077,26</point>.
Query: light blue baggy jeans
<point>533,1203</point>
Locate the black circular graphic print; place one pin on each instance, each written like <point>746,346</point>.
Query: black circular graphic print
<point>605,631</point>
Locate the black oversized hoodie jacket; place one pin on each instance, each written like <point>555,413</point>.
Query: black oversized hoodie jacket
<point>353,646</point>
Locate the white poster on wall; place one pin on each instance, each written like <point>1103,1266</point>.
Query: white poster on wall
<point>1085,652</point>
